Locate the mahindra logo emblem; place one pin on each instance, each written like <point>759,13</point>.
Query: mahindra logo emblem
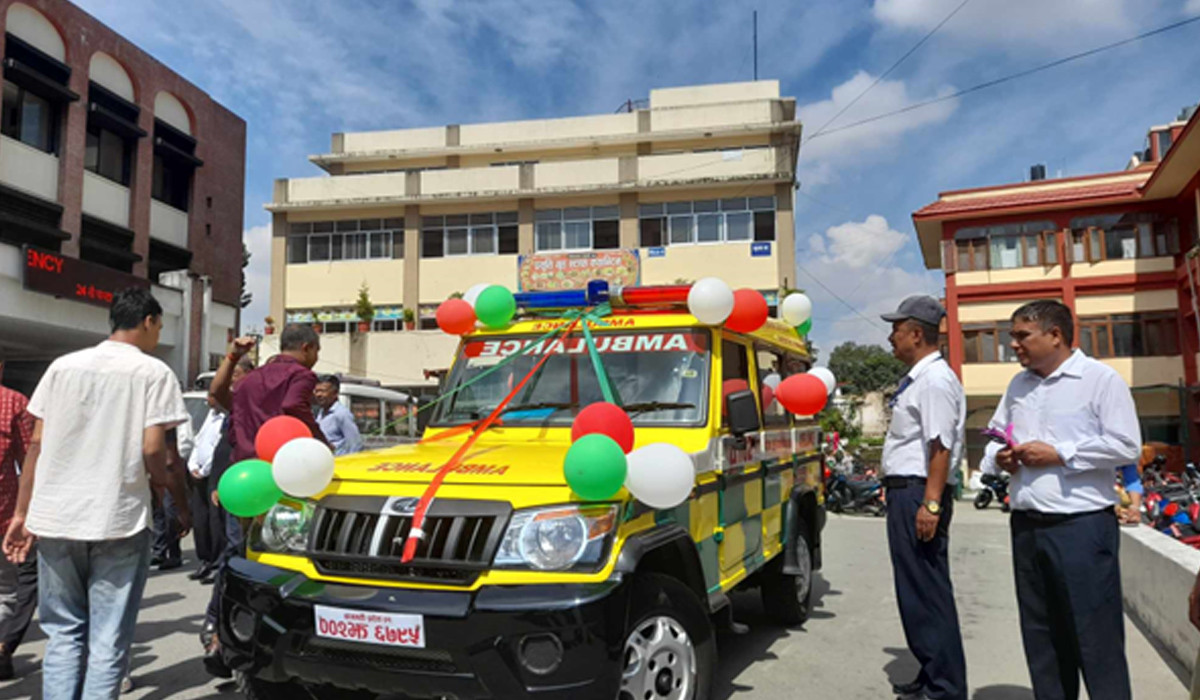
<point>401,506</point>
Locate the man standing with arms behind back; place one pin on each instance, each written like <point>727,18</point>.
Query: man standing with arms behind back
<point>1073,425</point>
<point>923,444</point>
<point>102,415</point>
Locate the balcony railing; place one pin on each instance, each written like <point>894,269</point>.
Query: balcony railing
<point>168,224</point>
<point>26,168</point>
<point>105,199</point>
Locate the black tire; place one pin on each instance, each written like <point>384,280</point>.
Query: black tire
<point>661,600</point>
<point>255,689</point>
<point>787,598</point>
<point>982,499</point>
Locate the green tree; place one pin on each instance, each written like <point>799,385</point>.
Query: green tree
<point>833,419</point>
<point>362,305</point>
<point>247,297</point>
<point>861,369</point>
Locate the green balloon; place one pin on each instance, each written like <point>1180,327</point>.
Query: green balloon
<point>595,467</point>
<point>804,328</point>
<point>495,306</point>
<point>247,488</point>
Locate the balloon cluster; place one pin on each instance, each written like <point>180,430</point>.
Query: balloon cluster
<point>713,303</point>
<point>290,460</point>
<point>493,305</point>
<point>601,460</point>
<point>803,394</point>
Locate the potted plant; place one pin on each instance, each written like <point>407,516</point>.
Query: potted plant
<point>364,308</point>
<point>410,319</point>
<point>270,325</point>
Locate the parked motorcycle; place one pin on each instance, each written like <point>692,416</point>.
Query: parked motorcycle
<point>994,486</point>
<point>864,495</point>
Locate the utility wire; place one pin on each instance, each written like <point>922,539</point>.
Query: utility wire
<point>1010,77</point>
<point>834,294</point>
<point>894,66</point>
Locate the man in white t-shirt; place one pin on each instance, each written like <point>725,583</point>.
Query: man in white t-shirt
<point>102,415</point>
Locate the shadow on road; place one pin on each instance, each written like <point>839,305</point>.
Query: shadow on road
<point>1002,692</point>
<point>737,652</point>
<point>902,668</point>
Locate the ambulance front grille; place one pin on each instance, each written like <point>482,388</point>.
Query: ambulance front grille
<point>357,537</point>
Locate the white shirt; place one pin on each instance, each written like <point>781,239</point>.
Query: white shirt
<point>1085,411</point>
<point>91,481</point>
<point>207,438</point>
<point>930,405</point>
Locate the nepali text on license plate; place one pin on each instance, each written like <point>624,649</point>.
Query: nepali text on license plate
<point>393,629</point>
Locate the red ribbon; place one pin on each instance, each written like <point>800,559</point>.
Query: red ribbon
<point>415,533</point>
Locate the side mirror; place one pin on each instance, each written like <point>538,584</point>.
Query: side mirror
<point>742,410</point>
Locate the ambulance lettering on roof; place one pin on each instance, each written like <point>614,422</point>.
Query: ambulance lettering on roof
<point>676,341</point>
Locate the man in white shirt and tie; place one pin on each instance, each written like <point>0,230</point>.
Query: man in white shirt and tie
<point>923,445</point>
<point>1073,425</point>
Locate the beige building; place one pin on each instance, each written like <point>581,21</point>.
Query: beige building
<point>697,183</point>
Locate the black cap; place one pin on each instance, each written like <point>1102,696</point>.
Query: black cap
<point>920,307</point>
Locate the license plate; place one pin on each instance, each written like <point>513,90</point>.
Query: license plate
<point>392,629</point>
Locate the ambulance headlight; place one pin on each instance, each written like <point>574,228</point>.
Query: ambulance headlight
<point>564,538</point>
<point>285,528</point>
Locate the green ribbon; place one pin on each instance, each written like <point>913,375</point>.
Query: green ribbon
<point>606,385</point>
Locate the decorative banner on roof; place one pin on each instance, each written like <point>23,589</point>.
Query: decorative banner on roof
<point>546,272</point>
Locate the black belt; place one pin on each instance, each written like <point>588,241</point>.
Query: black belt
<point>902,482</point>
<point>1052,518</point>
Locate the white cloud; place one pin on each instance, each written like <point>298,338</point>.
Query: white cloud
<point>858,262</point>
<point>258,277</point>
<point>821,156</point>
<point>1011,22</point>
<point>1192,7</point>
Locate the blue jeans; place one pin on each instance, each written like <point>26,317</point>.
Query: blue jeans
<point>233,548</point>
<point>89,594</point>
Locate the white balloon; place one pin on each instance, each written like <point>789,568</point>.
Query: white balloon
<point>660,475</point>
<point>796,308</point>
<point>473,293</point>
<point>826,376</point>
<point>303,467</point>
<point>710,300</point>
<point>772,380</point>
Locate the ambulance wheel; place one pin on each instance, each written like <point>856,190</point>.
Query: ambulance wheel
<point>670,648</point>
<point>788,597</point>
<point>255,689</point>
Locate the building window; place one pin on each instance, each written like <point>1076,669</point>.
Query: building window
<point>987,342</point>
<point>352,239</point>
<point>1025,244</point>
<point>733,220</point>
<point>577,228</point>
<point>107,154</point>
<point>1130,335</point>
<point>1123,237</point>
<point>29,118</point>
<point>493,233</point>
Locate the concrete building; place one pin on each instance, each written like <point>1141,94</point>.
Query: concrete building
<point>1119,248</point>
<point>699,182</point>
<point>114,172</point>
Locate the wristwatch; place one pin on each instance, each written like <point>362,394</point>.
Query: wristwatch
<point>933,506</point>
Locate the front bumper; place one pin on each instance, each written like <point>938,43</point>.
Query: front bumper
<point>474,638</point>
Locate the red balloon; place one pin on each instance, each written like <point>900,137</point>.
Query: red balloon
<point>802,394</point>
<point>607,419</point>
<point>456,317</point>
<point>275,433</point>
<point>768,396</point>
<point>749,311</point>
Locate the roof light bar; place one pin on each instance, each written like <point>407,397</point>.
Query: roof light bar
<point>598,292</point>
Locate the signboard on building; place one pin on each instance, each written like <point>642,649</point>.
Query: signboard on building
<point>760,249</point>
<point>71,278</point>
<point>545,272</point>
<point>657,252</point>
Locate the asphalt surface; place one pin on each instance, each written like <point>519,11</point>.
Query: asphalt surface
<point>852,647</point>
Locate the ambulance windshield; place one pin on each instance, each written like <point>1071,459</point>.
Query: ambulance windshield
<point>660,377</point>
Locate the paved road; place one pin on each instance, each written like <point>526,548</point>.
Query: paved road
<point>853,646</point>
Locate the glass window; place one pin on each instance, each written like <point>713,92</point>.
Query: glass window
<point>297,249</point>
<point>1125,338</point>
<point>1050,249</point>
<point>764,225</point>
<point>679,208</point>
<point>681,230</point>
<point>738,226</point>
<point>1031,250</point>
<point>483,240</point>
<point>28,118</point>
<point>577,214</point>
<point>757,203</point>
<point>609,212</point>
<point>606,234</point>
<point>1146,238</point>
<point>549,236</point>
<point>1006,252</point>
<point>456,241</point>
<point>1120,244</point>
<point>343,226</point>
<point>432,243</point>
<point>172,182</point>
<point>964,256</point>
<point>398,245</point>
<point>1096,250</point>
<point>354,246</point>
<point>577,235</point>
<point>335,248</point>
<point>706,205</point>
<point>1085,340</point>
<point>650,210</point>
<point>318,248</point>
<point>987,346</point>
<point>548,215</point>
<point>651,232</point>
<point>708,228</point>
<point>509,240</point>
<point>381,245</point>
<point>1164,143</point>
<point>736,204</point>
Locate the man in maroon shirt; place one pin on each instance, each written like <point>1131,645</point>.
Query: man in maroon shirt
<point>282,386</point>
<point>18,582</point>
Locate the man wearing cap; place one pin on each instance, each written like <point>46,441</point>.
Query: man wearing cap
<point>923,444</point>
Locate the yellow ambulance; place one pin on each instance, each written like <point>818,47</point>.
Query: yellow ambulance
<point>519,588</point>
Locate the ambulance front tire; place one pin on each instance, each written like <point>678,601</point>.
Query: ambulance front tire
<point>255,689</point>
<point>788,597</point>
<point>655,652</point>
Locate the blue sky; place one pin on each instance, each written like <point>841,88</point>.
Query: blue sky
<point>299,70</point>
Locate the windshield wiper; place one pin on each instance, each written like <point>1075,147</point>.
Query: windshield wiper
<point>557,405</point>
<point>642,407</point>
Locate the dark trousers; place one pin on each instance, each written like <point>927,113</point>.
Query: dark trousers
<point>1069,594</point>
<point>208,525</point>
<point>166,528</point>
<point>12,629</point>
<point>233,548</point>
<point>925,594</point>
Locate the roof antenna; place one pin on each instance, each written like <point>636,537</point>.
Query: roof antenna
<point>756,45</point>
